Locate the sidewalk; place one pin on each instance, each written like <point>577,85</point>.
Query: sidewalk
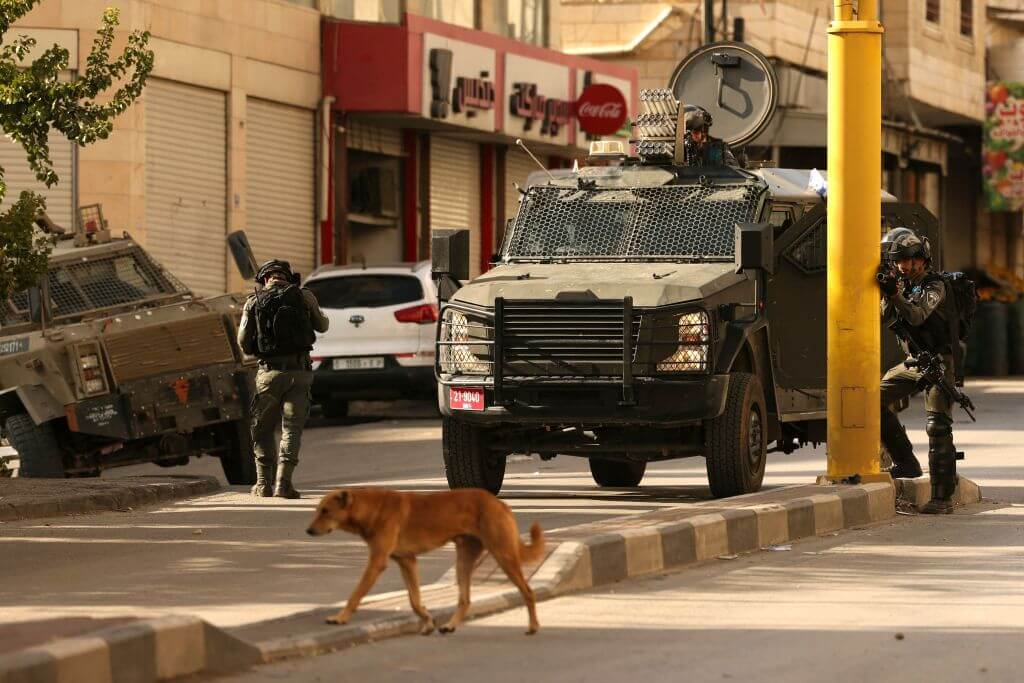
<point>36,498</point>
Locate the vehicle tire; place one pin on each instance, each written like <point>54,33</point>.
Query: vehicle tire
<point>238,461</point>
<point>334,410</point>
<point>39,453</point>
<point>617,472</point>
<point>735,444</point>
<point>468,463</point>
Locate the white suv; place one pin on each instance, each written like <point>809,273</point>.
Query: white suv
<point>380,344</point>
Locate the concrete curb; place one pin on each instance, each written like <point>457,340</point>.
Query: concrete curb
<point>603,558</point>
<point>140,652</point>
<point>918,491</point>
<point>111,498</point>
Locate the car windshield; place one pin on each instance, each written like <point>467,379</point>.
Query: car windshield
<point>669,222</point>
<point>365,291</point>
<point>97,282</point>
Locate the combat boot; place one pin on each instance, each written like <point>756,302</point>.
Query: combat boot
<point>283,488</point>
<point>901,452</point>
<point>941,464</point>
<point>263,488</point>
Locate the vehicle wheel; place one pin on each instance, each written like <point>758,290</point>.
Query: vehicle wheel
<point>38,451</point>
<point>617,472</point>
<point>468,463</point>
<point>238,461</point>
<point>334,410</point>
<point>735,446</point>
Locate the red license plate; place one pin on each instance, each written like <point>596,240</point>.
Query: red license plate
<point>465,399</point>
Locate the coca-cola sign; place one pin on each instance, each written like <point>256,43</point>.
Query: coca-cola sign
<point>601,109</point>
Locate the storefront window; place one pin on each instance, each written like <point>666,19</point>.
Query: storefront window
<point>388,11</point>
<point>458,12</point>
<point>527,20</point>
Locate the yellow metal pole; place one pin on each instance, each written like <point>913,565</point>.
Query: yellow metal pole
<point>854,218</point>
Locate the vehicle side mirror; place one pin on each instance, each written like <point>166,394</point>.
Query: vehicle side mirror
<point>754,247</point>
<point>238,243</point>
<point>449,254</point>
<point>449,261</point>
<point>35,304</point>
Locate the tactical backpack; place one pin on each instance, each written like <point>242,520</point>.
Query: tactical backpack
<point>961,305</point>
<point>283,326</point>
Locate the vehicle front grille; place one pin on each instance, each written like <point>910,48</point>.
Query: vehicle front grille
<point>167,347</point>
<point>564,338</point>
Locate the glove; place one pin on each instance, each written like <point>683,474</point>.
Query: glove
<point>889,286</point>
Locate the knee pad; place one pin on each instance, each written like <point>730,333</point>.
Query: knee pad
<point>938,425</point>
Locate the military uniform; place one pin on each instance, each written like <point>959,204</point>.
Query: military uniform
<point>283,386</point>
<point>714,152</point>
<point>921,307</point>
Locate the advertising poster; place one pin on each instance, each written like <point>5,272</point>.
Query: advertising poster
<point>1003,168</point>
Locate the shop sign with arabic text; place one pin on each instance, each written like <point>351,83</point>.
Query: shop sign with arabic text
<point>1003,169</point>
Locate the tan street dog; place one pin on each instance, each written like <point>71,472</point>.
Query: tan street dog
<point>403,525</point>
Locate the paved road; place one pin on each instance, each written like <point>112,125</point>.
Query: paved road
<point>917,600</point>
<point>233,559</point>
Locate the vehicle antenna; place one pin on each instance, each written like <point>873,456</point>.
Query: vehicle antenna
<point>519,141</point>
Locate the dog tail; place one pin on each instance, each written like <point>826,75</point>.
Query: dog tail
<point>532,552</point>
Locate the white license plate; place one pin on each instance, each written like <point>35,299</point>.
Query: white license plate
<point>372,363</point>
<point>465,399</point>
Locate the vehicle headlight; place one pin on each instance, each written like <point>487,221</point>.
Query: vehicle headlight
<point>694,340</point>
<point>458,355</point>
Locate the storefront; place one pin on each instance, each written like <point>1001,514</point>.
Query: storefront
<point>426,119</point>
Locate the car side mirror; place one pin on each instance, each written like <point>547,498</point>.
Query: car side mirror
<point>754,247</point>
<point>35,304</point>
<point>238,243</point>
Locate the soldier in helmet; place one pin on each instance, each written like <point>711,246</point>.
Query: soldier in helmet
<point>278,324</point>
<point>914,294</point>
<point>701,148</point>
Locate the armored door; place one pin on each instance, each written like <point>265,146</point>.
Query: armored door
<point>796,304</point>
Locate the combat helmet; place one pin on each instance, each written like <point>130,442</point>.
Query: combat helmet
<point>900,243</point>
<point>696,118</point>
<point>274,266</point>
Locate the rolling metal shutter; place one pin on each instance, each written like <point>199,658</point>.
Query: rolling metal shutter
<point>279,183</point>
<point>455,191</point>
<point>518,167</point>
<point>60,199</point>
<point>186,183</point>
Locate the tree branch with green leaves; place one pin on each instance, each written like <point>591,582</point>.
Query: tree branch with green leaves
<point>34,100</point>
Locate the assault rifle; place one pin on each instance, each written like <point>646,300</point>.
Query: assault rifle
<point>932,368</point>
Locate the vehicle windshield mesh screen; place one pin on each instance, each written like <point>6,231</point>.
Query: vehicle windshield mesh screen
<point>694,221</point>
<point>365,291</point>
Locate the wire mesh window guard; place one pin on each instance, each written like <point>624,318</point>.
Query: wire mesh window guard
<point>687,221</point>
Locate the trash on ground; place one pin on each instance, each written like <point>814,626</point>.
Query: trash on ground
<point>727,557</point>
<point>780,548</point>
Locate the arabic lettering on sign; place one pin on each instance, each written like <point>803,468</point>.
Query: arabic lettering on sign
<point>9,346</point>
<point>526,103</point>
<point>471,94</point>
<point>1003,168</point>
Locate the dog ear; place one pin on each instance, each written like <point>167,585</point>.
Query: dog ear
<point>343,498</point>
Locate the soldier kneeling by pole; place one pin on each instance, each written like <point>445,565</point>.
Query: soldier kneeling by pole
<point>927,311</point>
<point>278,324</point>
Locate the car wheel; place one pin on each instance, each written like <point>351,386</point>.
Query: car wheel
<point>735,444</point>
<point>39,453</point>
<point>617,472</point>
<point>238,460</point>
<point>334,410</point>
<point>468,462</point>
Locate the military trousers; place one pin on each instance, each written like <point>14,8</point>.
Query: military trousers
<point>282,399</point>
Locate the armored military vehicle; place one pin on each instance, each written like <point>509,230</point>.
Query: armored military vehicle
<point>113,361</point>
<point>645,309</point>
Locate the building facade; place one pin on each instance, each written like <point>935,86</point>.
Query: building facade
<point>223,137</point>
<point>426,118</point>
<point>934,75</point>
